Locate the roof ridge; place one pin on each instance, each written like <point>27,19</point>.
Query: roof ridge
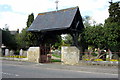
<point>58,10</point>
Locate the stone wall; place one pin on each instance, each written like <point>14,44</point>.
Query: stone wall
<point>70,55</point>
<point>33,54</point>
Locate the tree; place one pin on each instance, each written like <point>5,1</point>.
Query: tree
<point>30,19</point>
<point>112,26</point>
<point>94,36</point>
<point>8,40</point>
<point>112,35</point>
<point>114,13</point>
<point>25,39</point>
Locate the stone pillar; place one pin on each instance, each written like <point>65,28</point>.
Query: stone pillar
<point>6,52</point>
<point>70,55</point>
<point>33,54</point>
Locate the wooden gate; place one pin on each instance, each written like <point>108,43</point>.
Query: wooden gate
<point>44,50</point>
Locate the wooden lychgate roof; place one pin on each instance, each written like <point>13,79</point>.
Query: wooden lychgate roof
<point>66,20</point>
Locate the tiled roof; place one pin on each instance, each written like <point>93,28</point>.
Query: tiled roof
<point>54,20</point>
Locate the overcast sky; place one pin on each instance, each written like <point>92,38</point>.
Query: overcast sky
<point>14,13</point>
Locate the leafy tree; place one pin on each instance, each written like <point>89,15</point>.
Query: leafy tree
<point>30,19</point>
<point>112,35</point>
<point>112,26</point>
<point>114,13</point>
<point>94,36</point>
<point>103,37</point>
<point>8,40</point>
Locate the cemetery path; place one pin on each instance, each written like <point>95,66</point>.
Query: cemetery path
<point>15,69</point>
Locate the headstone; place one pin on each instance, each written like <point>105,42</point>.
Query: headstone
<point>33,54</point>
<point>11,52</point>
<point>70,55</point>
<point>21,52</point>
<point>24,53</point>
<point>6,52</point>
<point>110,55</point>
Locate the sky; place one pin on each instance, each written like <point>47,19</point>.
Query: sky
<point>14,13</point>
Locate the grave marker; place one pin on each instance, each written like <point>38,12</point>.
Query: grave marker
<point>6,52</point>
<point>21,52</point>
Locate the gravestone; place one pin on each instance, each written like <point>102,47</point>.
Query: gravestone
<point>70,55</point>
<point>6,52</point>
<point>11,52</point>
<point>33,54</point>
<point>21,52</point>
<point>24,53</point>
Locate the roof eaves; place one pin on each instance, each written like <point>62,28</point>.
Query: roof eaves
<point>53,29</point>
